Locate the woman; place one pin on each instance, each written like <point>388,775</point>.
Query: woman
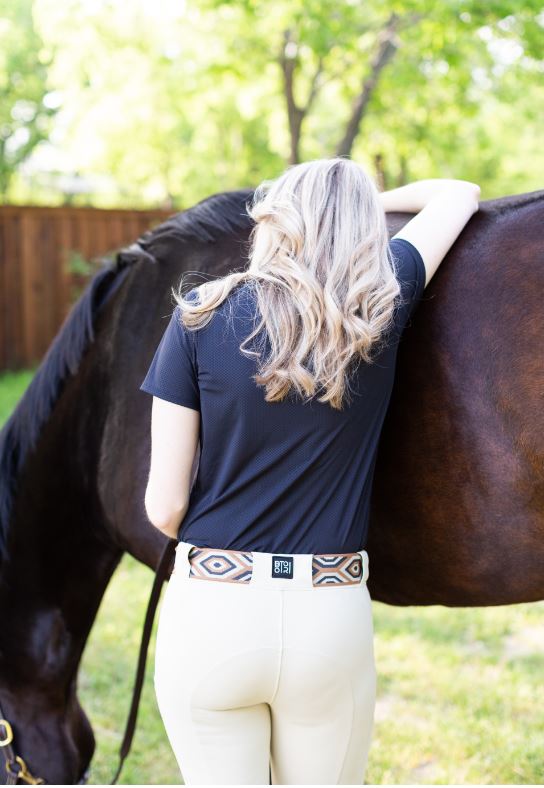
<point>284,371</point>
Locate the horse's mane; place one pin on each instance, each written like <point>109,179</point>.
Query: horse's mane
<point>208,221</point>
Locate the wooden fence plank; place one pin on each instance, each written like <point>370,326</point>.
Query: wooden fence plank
<point>36,286</point>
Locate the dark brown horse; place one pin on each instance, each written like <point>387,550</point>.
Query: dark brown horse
<point>458,506</point>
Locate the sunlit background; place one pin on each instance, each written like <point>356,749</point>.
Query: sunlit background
<point>156,103</point>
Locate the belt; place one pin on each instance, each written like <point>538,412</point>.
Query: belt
<point>236,566</point>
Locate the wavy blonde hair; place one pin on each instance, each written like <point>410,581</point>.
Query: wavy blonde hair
<point>323,274</point>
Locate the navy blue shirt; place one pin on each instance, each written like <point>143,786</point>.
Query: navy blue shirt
<point>282,477</point>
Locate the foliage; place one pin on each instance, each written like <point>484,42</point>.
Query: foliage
<point>166,103</point>
<point>24,113</point>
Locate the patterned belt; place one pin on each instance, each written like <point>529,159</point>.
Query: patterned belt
<point>235,566</point>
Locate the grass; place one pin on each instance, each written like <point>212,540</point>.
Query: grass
<point>12,387</point>
<point>106,679</point>
<point>460,690</point>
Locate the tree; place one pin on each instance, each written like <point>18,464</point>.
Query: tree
<point>24,114</point>
<point>166,105</point>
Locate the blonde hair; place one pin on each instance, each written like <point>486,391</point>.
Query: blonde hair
<point>323,275</point>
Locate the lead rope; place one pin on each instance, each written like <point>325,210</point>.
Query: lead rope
<point>161,574</point>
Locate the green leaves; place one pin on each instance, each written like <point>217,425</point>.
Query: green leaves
<point>170,106</point>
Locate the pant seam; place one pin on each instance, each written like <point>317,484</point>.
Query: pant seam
<point>277,684</point>
<point>352,695</point>
<point>342,669</point>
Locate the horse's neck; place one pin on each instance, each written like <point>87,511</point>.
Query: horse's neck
<point>51,586</point>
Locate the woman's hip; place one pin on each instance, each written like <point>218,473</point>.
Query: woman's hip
<point>206,621</point>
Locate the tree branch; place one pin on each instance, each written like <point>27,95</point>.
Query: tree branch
<point>388,43</point>
<point>288,61</point>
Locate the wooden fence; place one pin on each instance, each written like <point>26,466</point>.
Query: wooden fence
<point>44,254</point>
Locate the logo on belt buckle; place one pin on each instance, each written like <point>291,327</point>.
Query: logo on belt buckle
<point>282,566</point>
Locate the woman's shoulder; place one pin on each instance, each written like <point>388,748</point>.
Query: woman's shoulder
<point>410,273</point>
<point>410,269</point>
<point>243,290</point>
<point>237,308</point>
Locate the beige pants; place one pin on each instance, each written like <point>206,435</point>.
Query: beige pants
<point>274,672</point>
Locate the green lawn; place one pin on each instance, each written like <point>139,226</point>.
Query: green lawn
<point>460,691</point>
<point>12,387</point>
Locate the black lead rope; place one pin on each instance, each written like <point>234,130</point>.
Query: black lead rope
<point>161,574</point>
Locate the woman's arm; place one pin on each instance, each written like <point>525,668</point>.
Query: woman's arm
<point>175,431</point>
<point>412,197</point>
<point>442,210</point>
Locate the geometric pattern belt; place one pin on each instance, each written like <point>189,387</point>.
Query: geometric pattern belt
<point>235,566</point>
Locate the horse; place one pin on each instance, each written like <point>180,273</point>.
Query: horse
<point>458,496</point>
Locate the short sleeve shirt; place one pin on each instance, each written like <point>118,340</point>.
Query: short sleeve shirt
<point>288,476</point>
<point>173,373</point>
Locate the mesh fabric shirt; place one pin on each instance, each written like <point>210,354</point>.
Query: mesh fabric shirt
<point>282,477</point>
